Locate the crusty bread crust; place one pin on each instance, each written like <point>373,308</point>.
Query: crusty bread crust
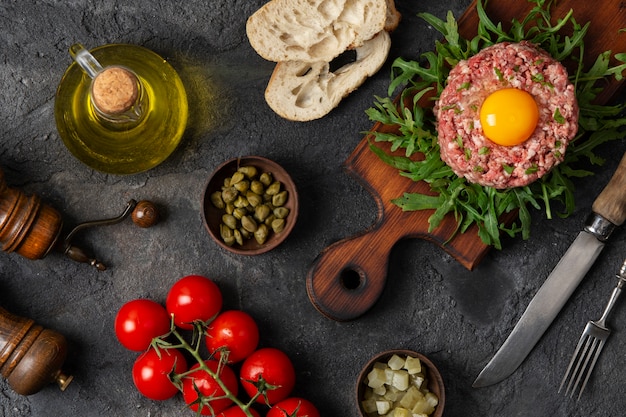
<point>393,16</point>
<point>314,30</point>
<point>302,91</point>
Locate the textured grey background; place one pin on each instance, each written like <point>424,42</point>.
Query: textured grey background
<point>430,304</point>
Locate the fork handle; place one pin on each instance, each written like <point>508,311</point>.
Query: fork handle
<point>614,295</point>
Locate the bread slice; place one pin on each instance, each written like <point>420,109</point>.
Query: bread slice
<point>393,16</point>
<point>302,91</point>
<point>313,30</point>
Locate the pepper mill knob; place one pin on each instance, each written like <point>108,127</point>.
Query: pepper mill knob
<point>31,357</point>
<point>145,214</point>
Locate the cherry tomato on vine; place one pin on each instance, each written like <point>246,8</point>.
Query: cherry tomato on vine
<point>151,373</point>
<point>288,407</point>
<point>139,321</point>
<point>276,369</point>
<point>192,298</point>
<point>236,411</point>
<point>236,331</point>
<point>209,387</point>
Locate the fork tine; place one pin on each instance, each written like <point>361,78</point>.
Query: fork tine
<point>589,348</point>
<point>599,347</point>
<point>569,375</point>
<point>585,342</point>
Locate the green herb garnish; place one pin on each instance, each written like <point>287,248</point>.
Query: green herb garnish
<point>473,203</point>
<point>558,117</point>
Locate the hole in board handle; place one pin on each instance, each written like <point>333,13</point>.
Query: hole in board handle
<point>351,279</point>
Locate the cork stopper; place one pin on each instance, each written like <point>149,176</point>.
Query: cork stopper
<point>114,90</point>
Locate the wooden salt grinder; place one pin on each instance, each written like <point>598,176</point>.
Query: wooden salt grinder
<point>31,357</point>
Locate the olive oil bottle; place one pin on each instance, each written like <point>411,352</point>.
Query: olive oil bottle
<point>120,109</point>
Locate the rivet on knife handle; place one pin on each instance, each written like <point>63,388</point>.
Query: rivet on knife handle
<point>611,203</point>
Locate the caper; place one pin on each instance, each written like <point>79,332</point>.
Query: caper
<point>245,233</point>
<point>270,219</point>
<point>248,170</point>
<point>238,237</point>
<point>253,206</point>
<point>242,186</point>
<point>278,225</point>
<point>281,212</point>
<point>261,233</point>
<point>257,187</point>
<point>239,212</point>
<point>253,198</point>
<point>216,199</point>
<point>248,223</point>
<point>225,231</point>
<point>279,199</point>
<point>230,221</point>
<point>227,234</point>
<point>273,188</point>
<point>229,195</point>
<point>241,201</point>
<point>261,212</point>
<point>237,176</point>
<point>266,178</point>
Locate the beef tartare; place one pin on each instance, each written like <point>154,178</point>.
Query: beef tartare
<point>528,138</point>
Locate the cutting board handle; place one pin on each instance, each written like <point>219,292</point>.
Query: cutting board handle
<point>349,276</point>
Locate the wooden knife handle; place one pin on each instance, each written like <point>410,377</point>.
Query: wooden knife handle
<point>611,203</point>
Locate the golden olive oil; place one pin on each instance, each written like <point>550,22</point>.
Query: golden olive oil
<point>128,147</point>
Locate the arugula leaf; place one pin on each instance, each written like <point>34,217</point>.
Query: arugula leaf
<point>471,203</point>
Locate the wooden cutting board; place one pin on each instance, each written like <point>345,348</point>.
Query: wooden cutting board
<point>348,277</point>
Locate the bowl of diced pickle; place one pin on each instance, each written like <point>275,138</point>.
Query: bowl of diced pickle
<point>400,383</point>
<point>250,205</point>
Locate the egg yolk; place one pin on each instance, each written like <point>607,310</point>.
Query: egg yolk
<point>509,116</point>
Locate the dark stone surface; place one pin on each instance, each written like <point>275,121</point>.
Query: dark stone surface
<point>431,304</point>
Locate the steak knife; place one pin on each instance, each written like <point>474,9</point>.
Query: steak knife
<point>608,212</point>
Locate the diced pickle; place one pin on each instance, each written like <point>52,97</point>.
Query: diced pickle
<point>413,365</point>
<point>397,388</point>
<point>396,362</point>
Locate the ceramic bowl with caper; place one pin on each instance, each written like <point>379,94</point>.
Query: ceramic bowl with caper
<point>250,205</point>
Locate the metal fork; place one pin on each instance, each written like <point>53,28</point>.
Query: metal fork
<point>590,344</point>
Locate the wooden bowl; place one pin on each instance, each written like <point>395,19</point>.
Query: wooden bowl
<point>212,216</point>
<point>433,377</point>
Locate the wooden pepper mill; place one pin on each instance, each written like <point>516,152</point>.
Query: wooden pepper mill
<point>27,226</point>
<point>33,229</point>
<point>31,357</point>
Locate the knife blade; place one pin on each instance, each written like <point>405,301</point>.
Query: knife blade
<point>608,212</point>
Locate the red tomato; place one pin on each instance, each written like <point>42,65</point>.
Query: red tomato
<point>287,408</point>
<point>235,330</point>
<point>236,411</point>
<point>151,373</point>
<point>208,387</point>
<point>276,369</point>
<point>139,321</point>
<point>193,298</point>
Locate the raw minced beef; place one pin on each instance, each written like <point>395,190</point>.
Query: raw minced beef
<point>463,145</point>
